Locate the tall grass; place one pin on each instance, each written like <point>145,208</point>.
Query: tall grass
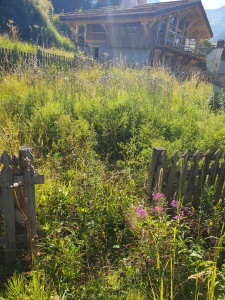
<point>93,129</point>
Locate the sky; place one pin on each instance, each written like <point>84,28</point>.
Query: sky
<point>209,4</point>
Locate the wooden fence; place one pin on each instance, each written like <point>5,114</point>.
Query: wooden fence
<point>17,200</point>
<point>187,178</point>
<point>9,58</point>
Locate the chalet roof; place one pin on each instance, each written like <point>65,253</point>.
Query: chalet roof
<point>116,14</point>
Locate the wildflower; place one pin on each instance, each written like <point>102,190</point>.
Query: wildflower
<point>157,196</point>
<point>174,203</point>
<point>141,212</point>
<point>158,209</point>
<point>150,261</point>
<point>178,217</point>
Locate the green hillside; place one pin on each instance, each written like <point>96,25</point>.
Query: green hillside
<point>31,20</point>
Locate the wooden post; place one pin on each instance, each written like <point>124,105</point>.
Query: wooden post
<point>8,209</point>
<point>172,173</point>
<point>28,186</point>
<point>183,174</point>
<point>192,178</point>
<point>155,163</point>
<point>220,181</point>
<point>39,57</point>
<point>201,179</point>
<point>214,168</point>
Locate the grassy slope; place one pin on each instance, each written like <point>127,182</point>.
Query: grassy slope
<point>93,130</point>
<point>8,43</point>
<point>30,20</point>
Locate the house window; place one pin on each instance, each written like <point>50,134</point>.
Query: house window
<point>130,27</point>
<point>173,21</point>
<point>181,24</point>
<point>97,28</point>
<point>161,33</point>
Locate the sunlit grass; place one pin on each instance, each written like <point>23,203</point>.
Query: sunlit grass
<point>93,129</point>
<point>15,45</point>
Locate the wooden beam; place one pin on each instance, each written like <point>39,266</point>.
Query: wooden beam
<point>145,26</point>
<point>185,13</point>
<point>105,28</point>
<point>38,179</point>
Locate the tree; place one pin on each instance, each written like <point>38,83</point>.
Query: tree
<point>70,5</point>
<point>204,47</point>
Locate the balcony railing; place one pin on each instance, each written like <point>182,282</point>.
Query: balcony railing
<point>181,42</point>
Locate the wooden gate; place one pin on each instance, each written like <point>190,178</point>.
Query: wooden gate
<point>17,200</point>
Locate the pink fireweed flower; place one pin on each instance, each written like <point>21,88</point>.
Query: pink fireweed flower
<point>141,212</point>
<point>174,203</point>
<point>157,196</point>
<point>158,209</point>
<point>179,217</point>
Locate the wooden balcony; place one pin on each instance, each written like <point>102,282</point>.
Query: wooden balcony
<point>177,41</point>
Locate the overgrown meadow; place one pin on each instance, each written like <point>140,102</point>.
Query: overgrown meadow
<point>93,129</point>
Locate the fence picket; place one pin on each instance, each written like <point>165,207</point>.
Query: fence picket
<point>214,168</point>
<point>201,179</point>
<point>8,210</point>
<point>192,177</point>
<point>183,172</point>
<point>157,151</point>
<point>172,173</point>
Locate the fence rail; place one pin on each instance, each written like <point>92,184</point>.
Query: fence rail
<point>11,57</point>
<point>17,200</point>
<point>187,179</point>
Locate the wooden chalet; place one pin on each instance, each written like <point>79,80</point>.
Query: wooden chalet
<point>161,33</point>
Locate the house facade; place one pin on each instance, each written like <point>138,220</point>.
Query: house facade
<point>162,33</point>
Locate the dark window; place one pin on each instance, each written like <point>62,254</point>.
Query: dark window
<point>96,52</point>
<point>173,21</point>
<point>181,24</point>
<point>161,33</point>
<point>97,28</point>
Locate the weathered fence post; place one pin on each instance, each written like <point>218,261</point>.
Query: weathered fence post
<point>8,209</point>
<point>183,173</point>
<point>39,57</point>
<point>172,173</point>
<point>214,168</point>
<point>157,162</point>
<point>220,181</point>
<point>192,177</point>
<point>201,179</point>
<point>26,159</point>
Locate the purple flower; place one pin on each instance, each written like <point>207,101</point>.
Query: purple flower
<point>150,261</point>
<point>157,196</point>
<point>158,209</point>
<point>174,203</point>
<point>179,217</point>
<point>141,212</point>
